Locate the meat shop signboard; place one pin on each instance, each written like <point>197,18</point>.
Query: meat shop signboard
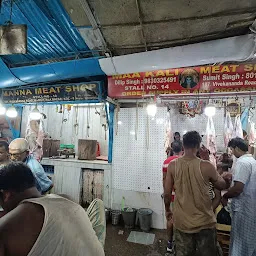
<point>202,79</point>
<point>57,93</point>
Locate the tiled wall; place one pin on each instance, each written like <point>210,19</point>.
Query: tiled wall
<point>137,163</point>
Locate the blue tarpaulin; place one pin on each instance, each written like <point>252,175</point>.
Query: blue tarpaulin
<point>51,36</point>
<point>51,33</point>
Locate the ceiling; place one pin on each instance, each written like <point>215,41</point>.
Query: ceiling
<point>66,38</point>
<point>130,26</point>
<point>56,51</point>
<point>51,34</point>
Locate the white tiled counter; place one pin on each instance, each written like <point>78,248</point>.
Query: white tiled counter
<point>68,176</point>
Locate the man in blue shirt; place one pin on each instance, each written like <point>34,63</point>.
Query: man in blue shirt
<point>19,151</point>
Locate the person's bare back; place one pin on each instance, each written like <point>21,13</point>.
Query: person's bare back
<point>20,229</point>
<point>41,225</point>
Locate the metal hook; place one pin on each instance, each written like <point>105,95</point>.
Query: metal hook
<point>251,114</point>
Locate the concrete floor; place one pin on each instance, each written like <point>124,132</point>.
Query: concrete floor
<point>116,245</point>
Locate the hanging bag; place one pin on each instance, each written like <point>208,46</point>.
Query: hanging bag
<point>251,134</point>
<point>223,217</point>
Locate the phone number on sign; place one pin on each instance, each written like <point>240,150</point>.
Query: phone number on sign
<point>160,80</point>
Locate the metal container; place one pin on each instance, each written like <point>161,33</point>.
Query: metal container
<point>145,218</point>
<point>115,216</point>
<point>129,216</point>
<point>107,214</point>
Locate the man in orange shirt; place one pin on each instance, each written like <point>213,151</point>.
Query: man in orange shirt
<point>177,152</point>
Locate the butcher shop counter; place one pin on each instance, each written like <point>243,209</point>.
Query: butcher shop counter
<point>68,176</point>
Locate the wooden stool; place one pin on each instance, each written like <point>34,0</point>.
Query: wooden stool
<point>223,237</point>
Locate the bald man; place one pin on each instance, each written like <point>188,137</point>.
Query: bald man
<point>19,151</point>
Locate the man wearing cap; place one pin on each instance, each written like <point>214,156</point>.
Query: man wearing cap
<point>19,151</point>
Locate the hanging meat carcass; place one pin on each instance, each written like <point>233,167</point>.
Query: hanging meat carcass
<point>251,134</point>
<point>238,130</point>
<point>168,132</point>
<point>228,129</point>
<point>35,134</point>
<point>211,140</point>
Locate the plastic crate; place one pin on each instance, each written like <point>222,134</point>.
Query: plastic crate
<point>49,169</point>
<point>68,146</point>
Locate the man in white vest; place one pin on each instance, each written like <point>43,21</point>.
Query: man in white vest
<point>37,225</point>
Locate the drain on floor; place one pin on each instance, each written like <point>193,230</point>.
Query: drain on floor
<point>141,238</point>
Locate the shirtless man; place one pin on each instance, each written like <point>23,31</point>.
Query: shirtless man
<point>36,225</point>
<point>177,138</point>
<point>214,193</point>
<point>194,219</point>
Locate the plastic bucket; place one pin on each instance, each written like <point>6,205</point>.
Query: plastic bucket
<point>115,215</point>
<point>129,217</point>
<point>145,218</point>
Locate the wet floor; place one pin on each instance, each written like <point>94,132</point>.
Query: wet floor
<point>116,244</point>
